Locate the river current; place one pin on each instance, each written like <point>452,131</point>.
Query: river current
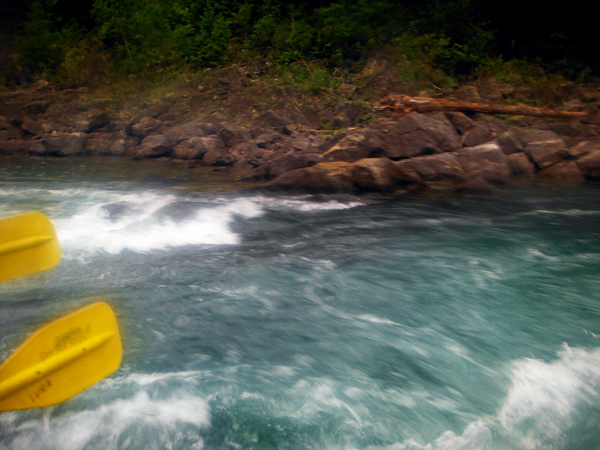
<point>255,321</point>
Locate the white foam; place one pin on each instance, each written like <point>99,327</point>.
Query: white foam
<point>540,406</point>
<point>74,431</point>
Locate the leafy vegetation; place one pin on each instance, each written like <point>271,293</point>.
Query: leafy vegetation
<point>440,39</point>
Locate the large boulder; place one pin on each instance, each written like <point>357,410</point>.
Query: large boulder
<point>290,161</point>
<point>182,132</point>
<point>153,146</point>
<point>192,148</point>
<point>590,165</point>
<point>566,172</point>
<point>18,146</point>
<point>509,143</point>
<point>354,146</point>
<point>248,155</point>
<point>416,134</point>
<point>445,166</point>
<point>486,161</point>
<point>145,127</point>
<point>461,122</point>
<point>324,177</point>
<point>520,165</point>
<point>375,174</point>
<point>32,127</point>
<point>479,134</point>
<point>544,147</point>
<point>62,144</point>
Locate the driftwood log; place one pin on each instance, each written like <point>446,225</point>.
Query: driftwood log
<point>403,104</point>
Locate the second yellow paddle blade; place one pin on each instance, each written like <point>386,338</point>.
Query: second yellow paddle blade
<point>28,245</point>
<point>62,359</point>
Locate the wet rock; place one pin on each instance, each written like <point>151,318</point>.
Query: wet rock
<point>509,143</point>
<point>445,166</point>
<point>486,161</point>
<point>282,164</point>
<point>479,134</point>
<point>460,121</point>
<point>32,127</point>
<point>99,145</point>
<point>153,146</point>
<point>97,121</point>
<point>566,172</point>
<point>18,146</point>
<point>476,186</point>
<point>192,148</point>
<point>543,147</point>
<point>182,132</point>
<point>416,134</point>
<point>118,148</point>
<point>144,127</point>
<point>354,146</point>
<point>375,174</point>
<point>62,144</point>
<point>519,164</point>
<point>325,177</point>
<point>590,165</point>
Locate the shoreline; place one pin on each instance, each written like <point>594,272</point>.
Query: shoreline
<point>462,153</point>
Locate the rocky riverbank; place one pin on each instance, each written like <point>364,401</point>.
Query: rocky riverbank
<point>472,153</point>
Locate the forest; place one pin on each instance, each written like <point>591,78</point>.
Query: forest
<point>77,42</point>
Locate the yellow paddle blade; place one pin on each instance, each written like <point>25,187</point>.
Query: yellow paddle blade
<point>62,359</point>
<point>28,245</point>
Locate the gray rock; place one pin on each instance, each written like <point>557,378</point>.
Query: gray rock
<point>282,164</point>
<point>62,144</point>
<point>566,172</point>
<point>519,164</point>
<point>445,166</point>
<point>32,127</point>
<point>543,147</point>
<point>325,177</point>
<point>192,148</point>
<point>416,134</point>
<point>486,161</point>
<point>460,121</point>
<point>354,146</point>
<point>145,127</point>
<point>153,146</point>
<point>590,165</point>
<point>509,143</point>
<point>183,132</point>
<point>479,134</point>
<point>375,174</point>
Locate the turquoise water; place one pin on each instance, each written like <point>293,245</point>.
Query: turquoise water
<point>263,322</point>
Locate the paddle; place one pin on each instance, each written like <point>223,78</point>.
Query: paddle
<point>62,359</point>
<point>28,245</point>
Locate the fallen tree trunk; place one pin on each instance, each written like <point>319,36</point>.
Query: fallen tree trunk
<point>403,104</point>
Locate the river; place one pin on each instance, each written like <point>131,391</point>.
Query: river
<point>256,321</point>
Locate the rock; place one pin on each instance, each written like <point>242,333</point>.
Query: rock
<point>590,165</point>
<point>183,132</point>
<point>153,146</point>
<point>583,148</point>
<point>509,143</point>
<point>460,121</point>
<point>290,161</point>
<point>486,161</point>
<point>445,166</point>
<point>543,147</point>
<point>566,172</point>
<point>97,121</point>
<point>354,146</point>
<point>414,135</point>
<point>216,154</point>
<point>325,177</point>
<point>118,148</point>
<point>248,155</point>
<point>232,136</point>
<point>192,148</point>
<point>479,134</point>
<point>32,127</point>
<point>476,186</point>
<point>519,164</point>
<point>267,138</point>
<point>144,127</point>
<point>17,146</point>
<point>375,174</point>
<point>62,144</point>
<point>99,145</point>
